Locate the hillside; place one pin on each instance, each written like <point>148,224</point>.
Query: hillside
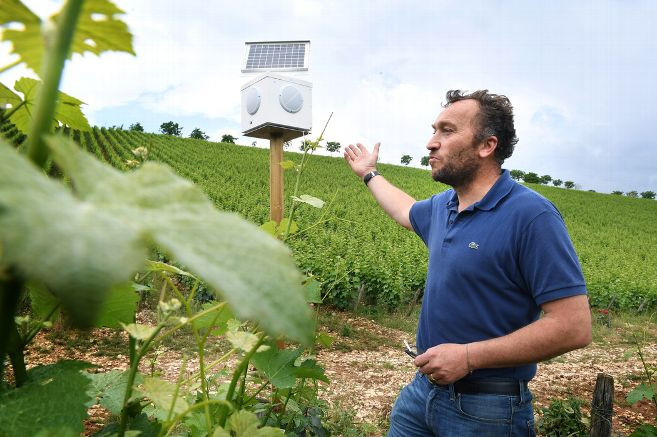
<point>355,243</point>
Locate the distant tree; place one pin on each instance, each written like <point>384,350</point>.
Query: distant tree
<point>618,193</point>
<point>531,178</point>
<point>591,191</point>
<point>255,143</point>
<point>136,127</point>
<point>198,134</point>
<point>517,174</point>
<point>287,144</point>
<point>648,195</point>
<point>171,128</point>
<point>228,138</point>
<point>332,146</point>
<point>424,161</point>
<point>557,182</point>
<point>406,159</point>
<point>632,194</point>
<point>569,184</point>
<point>545,179</point>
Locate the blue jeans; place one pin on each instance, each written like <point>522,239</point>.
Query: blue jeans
<point>423,409</point>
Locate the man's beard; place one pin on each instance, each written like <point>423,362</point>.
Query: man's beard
<point>459,171</point>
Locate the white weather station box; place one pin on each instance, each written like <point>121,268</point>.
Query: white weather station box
<point>273,104</point>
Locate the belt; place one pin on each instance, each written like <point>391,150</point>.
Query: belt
<point>509,387</point>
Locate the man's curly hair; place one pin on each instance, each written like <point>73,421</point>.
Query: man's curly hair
<point>495,118</point>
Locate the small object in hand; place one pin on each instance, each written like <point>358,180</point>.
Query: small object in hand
<point>408,350</point>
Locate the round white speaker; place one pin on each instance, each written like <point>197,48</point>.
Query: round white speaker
<point>290,99</point>
<point>252,100</point>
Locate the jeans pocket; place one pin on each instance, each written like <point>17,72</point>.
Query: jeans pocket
<point>485,407</point>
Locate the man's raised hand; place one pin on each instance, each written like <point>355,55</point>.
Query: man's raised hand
<point>360,159</point>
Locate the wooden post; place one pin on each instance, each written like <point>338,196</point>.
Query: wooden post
<point>276,179</point>
<point>602,407</point>
<point>361,294</point>
<point>416,297</point>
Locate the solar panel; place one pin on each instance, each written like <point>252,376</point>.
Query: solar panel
<point>276,56</point>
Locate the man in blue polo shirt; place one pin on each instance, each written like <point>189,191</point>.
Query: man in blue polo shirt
<point>499,254</point>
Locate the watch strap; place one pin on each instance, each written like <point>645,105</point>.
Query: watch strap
<point>369,176</point>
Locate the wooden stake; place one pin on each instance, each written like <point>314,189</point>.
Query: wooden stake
<point>602,407</point>
<point>276,179</point>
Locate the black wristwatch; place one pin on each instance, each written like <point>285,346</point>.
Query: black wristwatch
<point>369,176</point>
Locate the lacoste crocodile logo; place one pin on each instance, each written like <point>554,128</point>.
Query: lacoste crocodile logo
<point>473,245</point>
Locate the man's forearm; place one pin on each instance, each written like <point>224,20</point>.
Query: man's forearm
<point>394,201</point>
<point>546,338</point>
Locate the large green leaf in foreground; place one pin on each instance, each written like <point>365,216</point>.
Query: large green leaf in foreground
<point>81,243</point>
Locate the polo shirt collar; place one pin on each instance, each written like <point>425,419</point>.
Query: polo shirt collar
<point>497,192</point>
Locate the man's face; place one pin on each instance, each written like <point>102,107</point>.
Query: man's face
<point>452,149</point>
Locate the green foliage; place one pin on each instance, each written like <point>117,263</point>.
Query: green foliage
<point>97,31</point>
<point>424,161</point>
<point>171,128</point>
<point>569,184</point>
<point>546,179</point>
<point>70,389</point>
<point>557,182</point>
<point>67,109</point>
<point>198,134</point>
<point>632,193</point>
<point>648,195</point>
<point>563,418</point>
<point>136,127</point>
<point>517,174</point>
<point>531,178</point>
<point>642,391</point>
<point>406,159</point>
<point>617,193</point>
<point>645,431</point>
<point>229,139</point>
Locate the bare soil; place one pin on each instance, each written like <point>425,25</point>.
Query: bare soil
<point>367,375</point>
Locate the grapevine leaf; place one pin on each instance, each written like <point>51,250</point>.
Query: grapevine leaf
<point>645,430</point>
<point>8,97</point>
<point>161,393</point>
<point>242,340</point>
<point>309,369</point>
<point>294,228</point>
<point>254,273</point>
<point>219,432</point>
<point>313,291</point>
<point>325,339</point>
<point>43,302</point>
<point>310,200</point>
<point>67,110</point>
<point>245,424</point>
<point>138,331</point>
<point>270,227</point>
<point>97,31</point>
<point>119,307</point>
<point>643,390</point>
<point>220,316</point>
<point>277,365</point>
<point>287,165</point>
<point>79,254</point>
<point>28,409</point>
<point>109,388</point>
<point>28,43</point>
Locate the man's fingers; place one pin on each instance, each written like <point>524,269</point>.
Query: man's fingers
<point>361,148</point>
<point>376,150</point>
<point>351,151</point>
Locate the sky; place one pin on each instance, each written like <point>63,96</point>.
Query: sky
<point>580,74</point>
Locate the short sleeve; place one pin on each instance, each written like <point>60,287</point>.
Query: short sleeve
<point>548,261</point>
<point>420,218</point>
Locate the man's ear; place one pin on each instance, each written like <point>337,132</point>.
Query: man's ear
<point>488,146</point>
